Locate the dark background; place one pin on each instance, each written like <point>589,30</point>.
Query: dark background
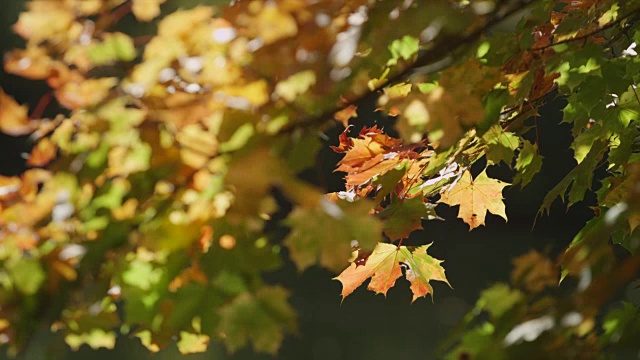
<point>365,325</point>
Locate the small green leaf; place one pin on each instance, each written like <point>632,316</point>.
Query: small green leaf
<point>403,48</point>
<point>96,339</point>
<point>528,164</point>
<point>192,343</point>
<point>501,145</point>
<point>114,47</point>
<point>141,274</point>
<point>499,299</point>
<point>581,177</point>
<point>27,275</point>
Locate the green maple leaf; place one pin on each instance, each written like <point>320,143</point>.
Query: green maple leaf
<point>387,182</point>
<point>499,299</point>
<point>528,164</point>
<point>501,145</point>
<point>262,318</point>
<point>323,235</point>
<point>402,217</point>
<point>580,179</point>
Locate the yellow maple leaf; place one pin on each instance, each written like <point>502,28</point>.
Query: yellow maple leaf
<point>146,10</point>
<point>476,197</point>
<point>14,118</point>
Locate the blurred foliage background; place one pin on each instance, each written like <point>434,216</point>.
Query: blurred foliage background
<point>364,326</point>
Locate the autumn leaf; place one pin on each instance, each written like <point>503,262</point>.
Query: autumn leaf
<point>14,119</point>
<point>534,272</point>
<point>42,153</point>
<point>146,10</point>
<point>45,19</point>
<point>295,85</point>
<point>32,63</point>
<point>273,23</point>
<point>370,143</point>
<point>251,183</point>
<point>371,154</point>
<point>9,187</point>
<point>345,114</point>
<point>476,197</point>
<point>190,343</point>
<point>84,93</point>
<point>383,266</point>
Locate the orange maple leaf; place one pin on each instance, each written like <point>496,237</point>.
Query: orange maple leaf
<point>14,119</point>
<point>371,154</point>
<point>383,266</point>
<point>345,114</point>
<point>476,197</point>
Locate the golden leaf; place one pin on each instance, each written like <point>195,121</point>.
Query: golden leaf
<point>146,10</point>
<point>14,118</point>
<point>476,197</point>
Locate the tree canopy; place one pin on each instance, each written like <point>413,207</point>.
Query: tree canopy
<point>163,156</point>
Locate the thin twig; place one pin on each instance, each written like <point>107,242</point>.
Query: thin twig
<point>589,34</point>
<point>441,51</point>
<point>44,101</point>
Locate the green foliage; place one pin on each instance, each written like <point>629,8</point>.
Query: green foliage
<point>148,200</point>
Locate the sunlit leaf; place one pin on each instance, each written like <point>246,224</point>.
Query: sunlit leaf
<point>14,119</point>
<point>146,10</point>
<point>528,164</point>
<point>383,266</point>
<point>476,197</point>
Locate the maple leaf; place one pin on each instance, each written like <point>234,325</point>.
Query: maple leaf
<point>14,119</point>
<point>82,93</point>
<point>371,154</point>
<point>383,266</point>
<point>346,143</point>
<point>262,318</point>
<point>370,143</point>
<point>273,23</point>
<point>146,10</point>
<point>528,164</point>
<point>42,153</point>
<point>534,272</point>
<point>45,19</point>
<point>402,217</point>
<point>324,234</point>
<point>345,114</point>
<point>476,197</point>
<point>500,145</point>
<point>192,343</point>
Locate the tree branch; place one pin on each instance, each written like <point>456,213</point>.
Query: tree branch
<point>591,33</point>
<point>433,60</point>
